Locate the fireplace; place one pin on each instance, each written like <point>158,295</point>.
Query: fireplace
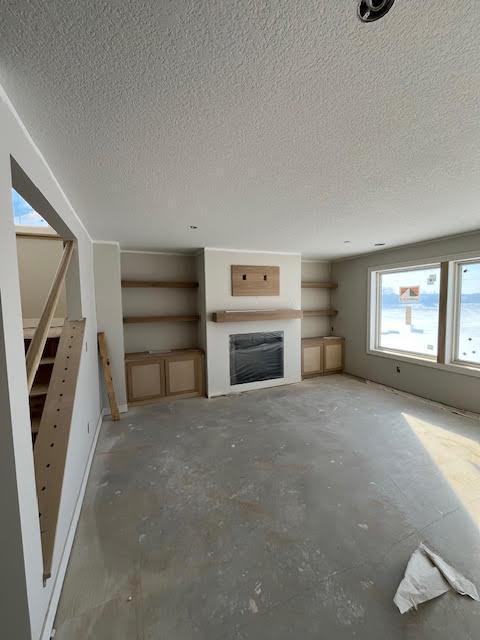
<point>255,357</point>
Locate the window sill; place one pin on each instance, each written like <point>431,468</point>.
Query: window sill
<point>453,367</point>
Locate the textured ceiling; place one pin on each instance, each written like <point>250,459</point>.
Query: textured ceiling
<point>273,125</point>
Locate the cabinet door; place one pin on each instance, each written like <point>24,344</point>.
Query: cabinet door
<point>145,380</point>
<point>333,356</point>
<point>183,374</point>
<point>312,359</point>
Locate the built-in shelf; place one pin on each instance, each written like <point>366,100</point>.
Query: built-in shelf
<point>161,284</point>
<point>319,312</point>
<point>319,285</point>
<point>252,315</point>
<point>139,319</point>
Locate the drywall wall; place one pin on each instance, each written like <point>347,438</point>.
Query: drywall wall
<point>108,301</point>
<point>316,271</point>
<point>351,300</point>
<point>38,259</point>
<point>26,591</point>
<point>158,301</point>
<point>218,297</point>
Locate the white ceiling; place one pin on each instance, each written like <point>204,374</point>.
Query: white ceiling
<point>280,126</point>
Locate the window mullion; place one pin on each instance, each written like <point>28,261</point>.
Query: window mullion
<point>442,313</point>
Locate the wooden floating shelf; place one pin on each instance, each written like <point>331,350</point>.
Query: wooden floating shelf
<point>319,312</point>
<point>251,315</point>
<point>138,319</point>
<point>319,285</point>
<point>161,284</point>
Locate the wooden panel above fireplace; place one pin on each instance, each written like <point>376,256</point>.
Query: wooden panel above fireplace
<point>249,280</point>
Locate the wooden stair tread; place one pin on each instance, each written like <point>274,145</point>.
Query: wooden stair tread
<point>39,389</point>
<point>30,326</point>
<point>35,422</point>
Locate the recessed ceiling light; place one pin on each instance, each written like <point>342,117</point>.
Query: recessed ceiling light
<point>379,244</point>
<point>192,226</point>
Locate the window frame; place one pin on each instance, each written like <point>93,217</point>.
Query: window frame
<point>446,358</point>
<point>378,314</point>
<point>457,305</point>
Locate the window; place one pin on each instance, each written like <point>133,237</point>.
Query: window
<point>23,214</point>
<point>408,304</point>
<point>430,312</point>
<point>468,312</point>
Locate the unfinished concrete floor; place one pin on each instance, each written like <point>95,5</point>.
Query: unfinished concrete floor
<point>277,514</point>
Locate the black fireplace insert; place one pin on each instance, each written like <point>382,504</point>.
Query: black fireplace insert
<point>255,357</point>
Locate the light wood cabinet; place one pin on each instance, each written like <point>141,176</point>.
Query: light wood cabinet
<point>333,355</point>
<point>151,377</point>
<point>184,374</point>
<point>312,357</point>
<point>322,355</point>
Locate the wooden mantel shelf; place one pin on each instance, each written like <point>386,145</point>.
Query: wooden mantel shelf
<point>250,315</point>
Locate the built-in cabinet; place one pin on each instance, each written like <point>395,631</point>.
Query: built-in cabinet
<point>160,304</point>
<point>322,355</point>
<point>174,374</point>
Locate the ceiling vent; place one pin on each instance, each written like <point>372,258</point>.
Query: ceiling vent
<point>371,10</point>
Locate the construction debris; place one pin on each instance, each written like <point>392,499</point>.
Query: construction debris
<point>428,576</point>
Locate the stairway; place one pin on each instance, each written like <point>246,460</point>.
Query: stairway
<point>39,389</point>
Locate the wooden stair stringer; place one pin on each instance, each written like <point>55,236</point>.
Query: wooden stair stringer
<point>51,444</point>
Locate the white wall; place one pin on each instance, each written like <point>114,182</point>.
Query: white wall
<point>22,586</point>
<point>316,271</point>
<point>218,297</point>
<point>38,260</point>
<point>152,301</point>
<point>351,300</point>
<point>108,300</point>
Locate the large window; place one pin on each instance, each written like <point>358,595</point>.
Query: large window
<point>408,310</point>
<point>430,312</point>
<point>468,312</point>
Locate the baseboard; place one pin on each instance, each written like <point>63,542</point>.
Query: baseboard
<point>406,394</point>
<point>237,392</point>
<point>122,408</point>
<point>57,589</point>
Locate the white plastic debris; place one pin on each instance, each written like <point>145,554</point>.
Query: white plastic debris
<point>428,576</point>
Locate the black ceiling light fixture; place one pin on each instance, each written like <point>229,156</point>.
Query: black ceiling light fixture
<point>371,10</point>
